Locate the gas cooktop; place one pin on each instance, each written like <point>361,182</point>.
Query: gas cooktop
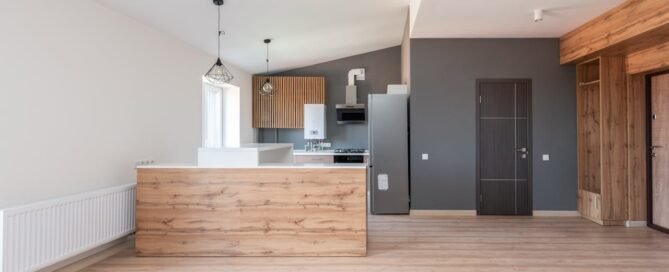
<point>349,150</point>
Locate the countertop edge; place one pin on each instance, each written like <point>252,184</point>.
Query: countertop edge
<point>325,153</point>
<point>263,166</point>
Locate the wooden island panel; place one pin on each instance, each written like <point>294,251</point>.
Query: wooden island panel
<point>251,212</point>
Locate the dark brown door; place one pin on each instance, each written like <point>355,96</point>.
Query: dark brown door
<point>504,161</point>
<point>659,141</point>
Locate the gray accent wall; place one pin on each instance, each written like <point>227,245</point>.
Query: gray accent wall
<point>443,118</point>
<point>382,67</point>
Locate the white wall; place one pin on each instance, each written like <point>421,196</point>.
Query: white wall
<point>85,92</point>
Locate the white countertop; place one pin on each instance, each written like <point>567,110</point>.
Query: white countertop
<point>325,153</point>
<point>265,165</point>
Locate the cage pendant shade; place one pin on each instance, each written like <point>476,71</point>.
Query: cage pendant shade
<point>267,88</point>
<point>219,74</point>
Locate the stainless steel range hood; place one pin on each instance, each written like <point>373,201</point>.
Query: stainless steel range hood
<point>352,112</point>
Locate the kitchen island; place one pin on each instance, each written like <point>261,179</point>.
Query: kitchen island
<point>285,209</point>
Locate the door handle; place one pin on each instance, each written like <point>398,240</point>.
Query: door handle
<point>652,150</point>
<point>522,149</point>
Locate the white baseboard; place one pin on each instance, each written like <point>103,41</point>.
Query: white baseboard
<point>441,213</point>
<point>556,213</point>
<point>635,224</point>
<point>446,213</point>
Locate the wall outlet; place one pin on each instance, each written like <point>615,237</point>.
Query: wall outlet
<point>326,144</point>
<point>144,162</point>
<point>425,156</point>
<point>546,157</point>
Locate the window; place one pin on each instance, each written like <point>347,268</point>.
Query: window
<point>221,115</point>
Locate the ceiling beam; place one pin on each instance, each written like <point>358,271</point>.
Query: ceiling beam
<point>651,59</point>
<point>627,27</point>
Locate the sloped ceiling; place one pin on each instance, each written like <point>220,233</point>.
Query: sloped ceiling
<point>307,32</point>
<point>304,32</point>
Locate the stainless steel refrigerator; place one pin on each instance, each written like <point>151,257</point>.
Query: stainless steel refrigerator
<point>388,124</point>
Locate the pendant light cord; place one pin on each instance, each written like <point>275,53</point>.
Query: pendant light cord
<point>267,60</point>
<point>218,73</point>
<point>219,32</point>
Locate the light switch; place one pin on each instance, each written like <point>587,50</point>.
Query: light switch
<point>425,156</point>
<point>546,157</point>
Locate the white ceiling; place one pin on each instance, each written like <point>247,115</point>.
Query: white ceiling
<point>307,32</point>
<point>502,18</point>
<point>304,32</point>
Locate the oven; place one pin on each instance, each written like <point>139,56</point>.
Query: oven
<point>349,158</point>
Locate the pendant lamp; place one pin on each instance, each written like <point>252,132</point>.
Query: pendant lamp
<point>218,73</point>
<point>267,88</point>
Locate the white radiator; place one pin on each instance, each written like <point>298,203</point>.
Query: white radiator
<point>38,235</point>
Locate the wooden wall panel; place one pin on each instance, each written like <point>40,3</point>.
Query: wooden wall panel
<point>648,60</point>
<point>251,212</point>
<point>630,26</point>
<point>285,109</point>
<point>636,134</point>
<point>613,102</point>
<point>589,150</point>
<point>639,31</point>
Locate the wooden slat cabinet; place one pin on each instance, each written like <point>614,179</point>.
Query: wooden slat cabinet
<point>285,109</point>
<point>602,140</point>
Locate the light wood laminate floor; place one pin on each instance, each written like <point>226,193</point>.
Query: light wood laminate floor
<point>402,243</point>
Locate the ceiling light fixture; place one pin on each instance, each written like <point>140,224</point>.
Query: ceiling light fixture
<point>538,15</point>
<point>267,87</point>
<point>218,73</point>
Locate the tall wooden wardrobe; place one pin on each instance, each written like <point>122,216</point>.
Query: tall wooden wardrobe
<point>602,140</point>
